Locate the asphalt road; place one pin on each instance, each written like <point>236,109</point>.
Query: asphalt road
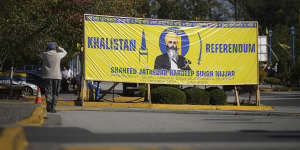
<point>140,129</point>
<point>281,98</point>
<point>12,113</point>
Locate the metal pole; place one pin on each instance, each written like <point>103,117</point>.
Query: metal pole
<point>293,42</point>
<point>270,46</point>
<point>149,94</point>
<point>237,98</point>
<point>257,96</point>
<point>293,49</point>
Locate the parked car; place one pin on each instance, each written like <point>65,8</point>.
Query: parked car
<point>18,82</point>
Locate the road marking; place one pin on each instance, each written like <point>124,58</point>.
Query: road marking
<point>36,118</point>
<point>125,148</point>
<point>79,109</point>
<point>13,138</point>
<point>173,106</point>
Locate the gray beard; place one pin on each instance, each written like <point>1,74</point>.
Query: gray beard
<point>172,53</point>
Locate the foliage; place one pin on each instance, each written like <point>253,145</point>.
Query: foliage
<point>272,80</point>
<point>188,10</point>
<point>228,87</point>
<point>168,95</point>
<point>262,75</point>
<point>295,75</point>
<point>217,97</point>
<point>197,96</point>
<point>26,26</point>
<point>278,16</point>
<point>142,90</point>
<point>211,88</point>
<point>282,89</point>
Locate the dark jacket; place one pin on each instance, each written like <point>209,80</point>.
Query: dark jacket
<point>162,62</point>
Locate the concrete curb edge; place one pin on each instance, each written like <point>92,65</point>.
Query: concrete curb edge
<point>173,106</point>
<point>13,138</point>
<point>36,118</point>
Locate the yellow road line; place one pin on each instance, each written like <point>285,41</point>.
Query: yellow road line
<point>114,148</point>
<point>245,107</point>
<point>133,99</point>
<point>36,118</point>
<point>174,106</point>
<point>68,103</point>
<point>13,138</point>
<point>79,109</point>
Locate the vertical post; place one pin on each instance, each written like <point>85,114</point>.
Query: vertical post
<point>257,96</point>
<point>84,90</point>
<point>149,94</point>
<point>293,49</point>
<point>237,98</point>
<point>11,76</point>
<point>293,43</point>
<point>113,90</point>
<point>270,47</point>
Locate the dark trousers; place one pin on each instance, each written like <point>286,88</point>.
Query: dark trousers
<point>65,85</point>
<point>52,90</point>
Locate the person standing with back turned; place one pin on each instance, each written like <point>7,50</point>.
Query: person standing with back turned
<point>51,73</point>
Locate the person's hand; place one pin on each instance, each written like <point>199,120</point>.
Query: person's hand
<point>56,45</point>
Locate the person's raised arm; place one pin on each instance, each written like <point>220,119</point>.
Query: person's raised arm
<point>62,52</point>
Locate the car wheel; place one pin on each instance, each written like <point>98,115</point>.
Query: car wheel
<point>27,91</point>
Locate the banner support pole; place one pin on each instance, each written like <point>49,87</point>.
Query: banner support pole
<point>149,94</point>
<point>109,90</point>
<point>237,98</point>
<point>257,96</point>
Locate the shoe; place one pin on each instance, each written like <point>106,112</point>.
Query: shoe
<point>48,107</point>
<point>53,110</point>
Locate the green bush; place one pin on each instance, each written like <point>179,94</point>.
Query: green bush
<point>168,95</point>
<point>211,88</point>
<point>217,97</point>
<point>228,87</point>
<point>142,90</point>
<point>197,96</point>
<point>262,75</point>
<point>272,80</point>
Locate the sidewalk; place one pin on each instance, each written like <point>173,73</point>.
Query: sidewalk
<point>12,113</point>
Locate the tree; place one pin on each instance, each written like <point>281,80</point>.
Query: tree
<point>27,25</point>
<point>200,10</point>
<point>279,16</point>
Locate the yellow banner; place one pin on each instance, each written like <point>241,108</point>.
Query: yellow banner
<point>122,49</point>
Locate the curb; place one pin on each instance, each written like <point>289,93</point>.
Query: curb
<point>153,106</point>
<point>171,106</point>
<point>278,90</point>
<point>79,109</point>
<point>36,118</point>
<point>13,138</point>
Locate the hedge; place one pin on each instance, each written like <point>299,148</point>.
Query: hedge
<point>197,96</point>
<point>217,97</point>
<point>168,95</point>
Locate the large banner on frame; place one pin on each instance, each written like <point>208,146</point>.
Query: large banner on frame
<point>121,49</point>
